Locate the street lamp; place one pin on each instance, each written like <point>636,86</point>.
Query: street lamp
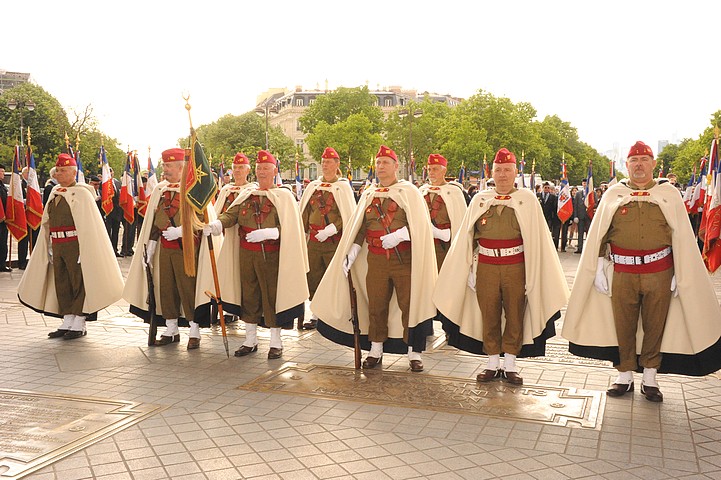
<point>20,105</point>
<point>266,109</point>
<point>416,114</point>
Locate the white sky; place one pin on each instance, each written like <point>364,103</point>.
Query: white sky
<point>619,71</point>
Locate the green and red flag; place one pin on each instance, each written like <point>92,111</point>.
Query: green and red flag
<point>199,181</point>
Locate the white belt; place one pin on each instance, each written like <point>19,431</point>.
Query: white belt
<point>65,234</point>
<point>641,260</point>
<point>500,252</point>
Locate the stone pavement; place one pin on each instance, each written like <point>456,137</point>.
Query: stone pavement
<point>210,429</point>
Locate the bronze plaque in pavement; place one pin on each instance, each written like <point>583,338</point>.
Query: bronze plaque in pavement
<point>533,403</point>
<point>37,429</point>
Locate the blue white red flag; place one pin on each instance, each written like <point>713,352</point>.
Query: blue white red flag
<point>15,208</point>
<point>33,200</point>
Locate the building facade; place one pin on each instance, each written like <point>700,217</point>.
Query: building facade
<point>9,80</point>
<point>286,107</point>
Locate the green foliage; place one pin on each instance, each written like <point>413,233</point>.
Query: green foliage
<point>337,106</point>
<point>353,139</point>
<point>686,156</point>
<point>245,133</point>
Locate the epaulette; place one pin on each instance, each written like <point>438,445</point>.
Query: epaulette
<point>659,181</point>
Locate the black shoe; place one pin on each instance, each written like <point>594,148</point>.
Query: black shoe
<point>578,252</point>
<point>620,389</point>
<point>73,334</point>
<point>652,394</point>
<point>23,266</point>
<point>275,353</point>
<point>119,255</point>
<point>245,350</point>
<point>310,324</point>
<point>60,332</point>
<point>6,269</point>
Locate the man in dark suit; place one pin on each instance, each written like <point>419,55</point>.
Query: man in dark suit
<point>549,205</point>
<point>115,217</point>
<point>580,216</point>
<point>3,226</point>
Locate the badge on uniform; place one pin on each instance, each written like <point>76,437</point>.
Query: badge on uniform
<point>484,221</point>
<point>368,210</point>
<point>624,211</point>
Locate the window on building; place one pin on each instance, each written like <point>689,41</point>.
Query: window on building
<point>357,174</point>
<point>313,171</point>
<point>297,126</point>
<point>388,102</point>
<point>311,101</point>
<point>298,102</point>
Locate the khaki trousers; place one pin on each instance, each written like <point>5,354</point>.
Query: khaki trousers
<point>259,286</point>
<point>319,256</point>
<point>68,274</point>
<point>501,288</point>
<point>650,295</point>
<point>385,275</point>
<point>176,287</point>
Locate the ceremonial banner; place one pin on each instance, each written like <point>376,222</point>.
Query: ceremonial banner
<point>34,200</point>
<point>107,187</point>
<point>126,201</point>
<point>15,209</point>
<point>199,182</point>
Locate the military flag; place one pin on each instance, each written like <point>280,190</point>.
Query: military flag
<point>532,183</point>
<point>712,242</point>
<point>523,168</point>
<point>80,175</point>
<point>688,193</point>
<point>107,187</point>
<point>15,208</point>
<point>298,182</point>
<point>126,200</point>
<point>138,189</point>
<point>565,202</point>
<point>278,178</point>
<point>34,199</point>
<point>612,176</point>
<point>371,172</point>
<point>462,173</point>
<point>699,193</point>
<point>152,178</point>
<point>590,200</point>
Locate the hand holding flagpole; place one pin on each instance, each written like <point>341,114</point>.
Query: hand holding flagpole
<point>214,267</point>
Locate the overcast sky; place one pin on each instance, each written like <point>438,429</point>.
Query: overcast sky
<point>619,71</point>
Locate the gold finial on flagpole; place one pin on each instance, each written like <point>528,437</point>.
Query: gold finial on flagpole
<point>186,97</point>
<point>67,142</point>
<point>29,137</point>
<point>77,141</point>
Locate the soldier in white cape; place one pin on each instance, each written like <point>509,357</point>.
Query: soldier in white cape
<point>76,284</point>
<point>332,300</point>
<point>528,273</point>
<point>687,339</point>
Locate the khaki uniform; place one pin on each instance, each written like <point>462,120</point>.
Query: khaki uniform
<point>177,287</point>
<point>440,219</point>
<point>258,272</point>
<point>500,287</point>
<point>385,271</point>
<point>321,211</point>
<point>639,226</point>
<point>67,271</point>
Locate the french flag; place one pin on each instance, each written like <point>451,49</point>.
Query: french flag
<point>107,187</point>
<point>34,200</point>
<point>15,209</point>
<point>126,201</point>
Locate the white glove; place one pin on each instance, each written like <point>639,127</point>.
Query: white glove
<point>263,234</point>
<point>575,220</point>
<point>150,249</point>
<point>674,287</point>
<point>600,282</point>
<point>444,235</point>
<point>213,228</point>
<point>350,258</point>
<point>173,233</point>
<point>471,280</point>
<point>391,240</point>
<point>326,233</point>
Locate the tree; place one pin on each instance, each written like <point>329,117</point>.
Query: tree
<point>353,139</point>
<point>422,130</point>
<point>48,123</point>
<point>337,106</point>
<point>245,133</point>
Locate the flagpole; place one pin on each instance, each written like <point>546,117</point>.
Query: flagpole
<point>29,227</point>
<point>213,266</point>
